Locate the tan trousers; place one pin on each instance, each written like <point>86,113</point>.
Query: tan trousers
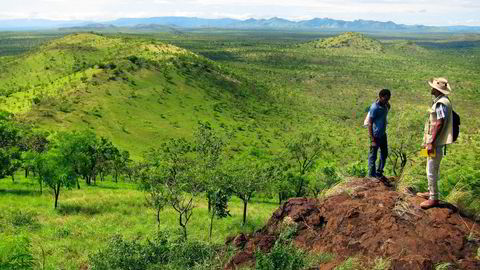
<point>433,169</point>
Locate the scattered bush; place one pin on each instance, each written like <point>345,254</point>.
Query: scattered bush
<point>159,253</point>
<point>349,264</point>
<point>357,169</point>
<point>15,253</point>
<point>62,232</point>
<point>382,264</point>
<point>443,266</point>
<point>190,253</point>
<point>281,257</point>
<point>284,255</point>
<point>20,219</point>
<point>124,254</point>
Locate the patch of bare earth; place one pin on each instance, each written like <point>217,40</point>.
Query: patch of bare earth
<point>370,221</point>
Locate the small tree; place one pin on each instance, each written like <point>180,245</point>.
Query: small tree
<point>120,162</point>
<point>14,161</point>
<point>405,133</point>
<point>80,152</point>
<point>324,178</point>
<point>106,153</point>
<point>55,170</point>
<point>153,178</point>
<point>247,178</point>
<point>305,149</point>
<point>219,209</point>
<point>208,148</point>
<point>9,146</point>
<point>34,142</point>
<point>171,179</point>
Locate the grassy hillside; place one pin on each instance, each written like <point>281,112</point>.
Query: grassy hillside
<point>350,40</point>
<point>137,92</point>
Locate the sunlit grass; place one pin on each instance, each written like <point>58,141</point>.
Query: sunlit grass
<point>87,218</point>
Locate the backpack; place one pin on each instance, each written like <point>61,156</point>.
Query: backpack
<point>456,125</point>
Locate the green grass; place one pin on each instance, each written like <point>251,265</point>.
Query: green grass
<point>87,218</point>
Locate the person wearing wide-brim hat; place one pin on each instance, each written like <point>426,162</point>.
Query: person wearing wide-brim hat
<point>438,133</point>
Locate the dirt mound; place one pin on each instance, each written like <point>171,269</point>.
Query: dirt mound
<point>369,220</point>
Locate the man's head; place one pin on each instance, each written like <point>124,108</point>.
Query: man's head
<point>384,96</point>
<point>440,86</point>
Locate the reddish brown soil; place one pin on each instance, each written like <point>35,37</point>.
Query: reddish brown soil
<point>371,221</point>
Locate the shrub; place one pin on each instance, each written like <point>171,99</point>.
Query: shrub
<point>283,256</point>
<point>349,264</point>
<point>20,219</point>
<point>159,253</point>
<point>124,254</point>
<point>15,253</point>
<point>191,253</point>
<point>36,100</point>
<point>382,264</point>
<point>357,169</point>
<point>62,232</point>
<point>443,266</point>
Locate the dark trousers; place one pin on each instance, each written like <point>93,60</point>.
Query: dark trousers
<point>372,157</point>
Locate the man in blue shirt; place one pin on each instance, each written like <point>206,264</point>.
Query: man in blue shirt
<point>377,127</point>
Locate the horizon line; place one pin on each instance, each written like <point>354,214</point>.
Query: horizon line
<point>220,18</point>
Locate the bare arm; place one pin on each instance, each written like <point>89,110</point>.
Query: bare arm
<point>370,131</point>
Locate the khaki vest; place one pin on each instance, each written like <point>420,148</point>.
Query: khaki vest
<point>445,136</point>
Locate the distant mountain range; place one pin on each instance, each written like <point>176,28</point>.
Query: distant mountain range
<point>191,22</point>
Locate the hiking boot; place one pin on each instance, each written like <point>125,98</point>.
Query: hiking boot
<point>425,195</point>
<point>384,180</point>
<point>429,204</point>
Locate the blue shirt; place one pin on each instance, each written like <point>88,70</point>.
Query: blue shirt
<point>378,115</point>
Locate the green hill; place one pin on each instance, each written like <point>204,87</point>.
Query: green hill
<point>349,40</point>
<point>136,92</point>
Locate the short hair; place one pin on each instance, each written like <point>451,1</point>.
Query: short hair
<point>384,92</point>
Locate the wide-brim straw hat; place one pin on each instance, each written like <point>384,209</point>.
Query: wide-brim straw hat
<point>441,84</point>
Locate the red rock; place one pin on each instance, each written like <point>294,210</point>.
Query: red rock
<point>349,226</point>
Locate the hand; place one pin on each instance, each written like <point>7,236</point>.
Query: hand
<point>429,148</point>
<point>374,143</point>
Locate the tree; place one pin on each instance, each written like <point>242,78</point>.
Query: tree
<point>405,139</point>
<point>106,153</point>
<point>120,162</point>
<point>220,199</point>
<point>153,176</point>
<point>15,162</point>
<point>324,178</point>
<point>10,152</point>
<point>247,177</point>
<point>305,149</point>
<point>55,170</point>
<point>208,148</point>
<point>32,142</point>
<point>79,148</point>
<point>29,163</point>
<point>181,184</point>
<point>168,177</point>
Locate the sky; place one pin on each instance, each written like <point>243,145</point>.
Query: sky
<point>426,12</point>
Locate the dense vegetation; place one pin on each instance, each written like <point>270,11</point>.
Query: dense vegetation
<point>135,137</point>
